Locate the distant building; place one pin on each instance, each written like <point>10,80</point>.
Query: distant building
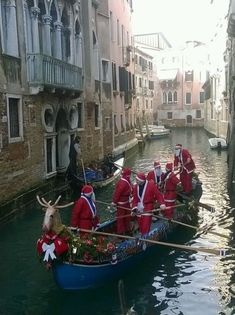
<point>145,82</point>
<point>181,75</point>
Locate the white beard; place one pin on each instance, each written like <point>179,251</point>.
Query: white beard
<point>177,152</point>
<point>158,172</point>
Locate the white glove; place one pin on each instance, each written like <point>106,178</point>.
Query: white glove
<point>163,206</point>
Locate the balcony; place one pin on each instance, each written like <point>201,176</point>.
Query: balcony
<point>46,71</point>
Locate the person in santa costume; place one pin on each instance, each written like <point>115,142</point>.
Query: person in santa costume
<point>84,212</point>
<point>156,174</point>
<point>145,195</point>
<point>171,181</point>
<point>184,162</point>
<point>121,200</point>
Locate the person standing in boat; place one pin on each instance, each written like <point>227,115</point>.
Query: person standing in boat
<point>156,175</point>
<point>184,163</point>
<point>121,200</point>
<point>74,155</point>
<point>145,195</point>
<point>84,212</point>
<point>171,181</point>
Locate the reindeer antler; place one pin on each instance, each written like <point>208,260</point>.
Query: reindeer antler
<point>46,204</point>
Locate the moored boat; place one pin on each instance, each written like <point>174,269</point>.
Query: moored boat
<point>101,177</point>
<point>105,256</point>
<point>218,143</point>
<point>156,132</point>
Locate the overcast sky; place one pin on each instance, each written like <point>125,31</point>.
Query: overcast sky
<point>179,20</point>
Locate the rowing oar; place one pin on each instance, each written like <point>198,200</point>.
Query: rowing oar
<point>218,252</point>
<point>200,204</point>
<point>191,226</point>
<point>154,210</point>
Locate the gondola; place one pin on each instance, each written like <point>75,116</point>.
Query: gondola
<point>102,177</point>
<point>93,262</point>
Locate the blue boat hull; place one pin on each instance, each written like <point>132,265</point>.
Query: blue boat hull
<point>78,276</point>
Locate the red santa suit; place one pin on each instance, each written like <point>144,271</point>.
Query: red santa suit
<point>183,159</point>
<point>121,199</point>
<point>84,213</point>
<point>145,194</point>
<point>156,175</point>
<point>169,188</point>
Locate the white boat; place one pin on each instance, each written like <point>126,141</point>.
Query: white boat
<point>156,132</point>
<point>218,143</point>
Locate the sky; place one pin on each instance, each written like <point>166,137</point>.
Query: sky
<point>179,20</point>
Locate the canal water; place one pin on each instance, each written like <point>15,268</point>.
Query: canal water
<point>167,282</point>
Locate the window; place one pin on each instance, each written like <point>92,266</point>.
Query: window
<point>169,115</point>
<point>169,97</point>
<point>114,76</point>
<point>188,99</point>
<point>189,76</point>
<point>151,85</point>
<point>49,147</point>
<point>97,114</point>
<point>146,104</point>
<point>105,71</point>
<point>107,124</point>
<point>15,119</point>
<point>140,82</point>
<point>80,115</point>
<point>175,97</point>
<point>198,113</point>
<point>137,104</point>
<point>122,125</point>
<point>164,98</point>
<point>118,33</point>
<point>201,97</point>
<point>8,27</point>
<point>111,25</point>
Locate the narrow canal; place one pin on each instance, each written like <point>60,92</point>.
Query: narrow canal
<point>168,282</point>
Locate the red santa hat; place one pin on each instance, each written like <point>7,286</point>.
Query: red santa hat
<point>157,164</point>
<point>141,177</point>
<point>87,190</point>
<point>169,166</point>
<point>178,146</point>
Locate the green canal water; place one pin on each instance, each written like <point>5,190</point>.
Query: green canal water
<point>167,282</point>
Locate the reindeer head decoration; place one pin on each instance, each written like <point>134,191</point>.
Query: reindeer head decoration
<point>52,220</point>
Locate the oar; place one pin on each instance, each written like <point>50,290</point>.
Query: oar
<point>200,204</point>
<point>191,226</point>
<point>154,210</point>
<point>218,252</point>
<point>84,173</point>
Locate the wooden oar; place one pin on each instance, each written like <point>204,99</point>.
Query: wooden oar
<point>83,169</point>
<point>197,203</point>
<point>154,210</point>
<point>191,226</point>
<point>218,252</point>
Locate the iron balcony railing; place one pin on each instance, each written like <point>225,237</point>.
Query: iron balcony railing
<point>47,70</point>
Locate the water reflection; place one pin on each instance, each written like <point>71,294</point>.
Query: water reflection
<point>166,282</point>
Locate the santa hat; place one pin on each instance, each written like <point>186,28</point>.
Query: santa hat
<point>126,172</point>
<point>87,190</point>
<point>169,166</point>
<point>178,146</point>
<point>141,177</point>
<point>156,164</point>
